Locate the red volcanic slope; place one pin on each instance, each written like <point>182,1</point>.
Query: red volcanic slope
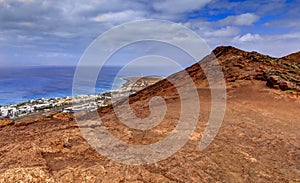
<point>257,142</point>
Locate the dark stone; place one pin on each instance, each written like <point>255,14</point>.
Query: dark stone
<point>260,76</point>
<point>272,81</point>
<point>285,86</point>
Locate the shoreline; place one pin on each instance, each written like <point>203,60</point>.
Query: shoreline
<point>74,104</point>
<point>139,82</point>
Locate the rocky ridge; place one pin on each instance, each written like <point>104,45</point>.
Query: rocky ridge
<point>258,140</point>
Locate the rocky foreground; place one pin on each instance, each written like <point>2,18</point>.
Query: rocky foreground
<point>258,141</point>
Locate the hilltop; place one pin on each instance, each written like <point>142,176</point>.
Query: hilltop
<point>294,57</point>
<point>258,141</point>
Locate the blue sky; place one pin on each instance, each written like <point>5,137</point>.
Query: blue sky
<point>37,32</point>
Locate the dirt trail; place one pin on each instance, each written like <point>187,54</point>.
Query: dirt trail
<point>257,142</point>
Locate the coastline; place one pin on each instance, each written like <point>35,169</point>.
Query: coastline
<point>70,104</point>
<point>139,82</point>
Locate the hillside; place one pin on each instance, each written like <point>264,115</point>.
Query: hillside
<point>294,57</point>
<point>257,142</point>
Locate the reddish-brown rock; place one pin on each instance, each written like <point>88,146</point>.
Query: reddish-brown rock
<point>6,122</point>
<point>257,142</point>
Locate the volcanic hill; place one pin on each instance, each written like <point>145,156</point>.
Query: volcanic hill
<point>258,141</point>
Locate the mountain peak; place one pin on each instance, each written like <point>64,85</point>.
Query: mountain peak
<point>223,50</point>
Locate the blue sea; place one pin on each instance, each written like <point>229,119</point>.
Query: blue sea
<point>20,84</point>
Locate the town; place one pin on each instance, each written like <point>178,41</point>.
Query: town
<point>67,104</point>
<point>78,103</point>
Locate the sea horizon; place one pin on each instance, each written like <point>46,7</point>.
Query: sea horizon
<point>24,83</point>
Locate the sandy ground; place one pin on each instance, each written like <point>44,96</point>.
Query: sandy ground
<point>258,142</point>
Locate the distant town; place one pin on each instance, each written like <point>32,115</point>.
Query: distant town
<point>78,103</point>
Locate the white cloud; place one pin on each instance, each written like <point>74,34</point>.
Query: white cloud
<point>123,16</point>
<point>2,38</point>
<point>54,54</point>
<point>294,35</point>
<point>179,6</point>
<point>287,23</point>
<point>276,45</point>
<point>71,25</point>
<point>243,19</point>
<point>22,1</point>
<point>223,32</point>
<point>247,37</point>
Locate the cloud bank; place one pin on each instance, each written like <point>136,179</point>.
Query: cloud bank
<point>40,32</point>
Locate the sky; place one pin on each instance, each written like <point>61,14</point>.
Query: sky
<point>42,32</point>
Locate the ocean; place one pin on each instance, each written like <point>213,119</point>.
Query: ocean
<point>20,84</point>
